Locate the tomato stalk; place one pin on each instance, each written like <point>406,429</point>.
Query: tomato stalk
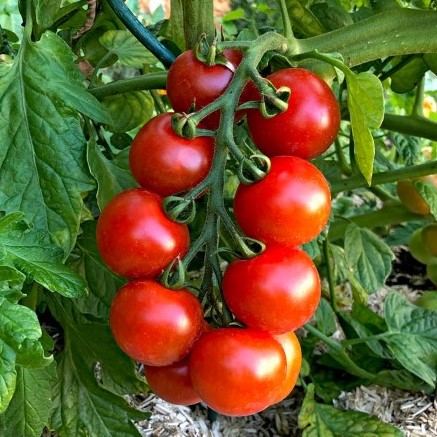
<point>141,33</point>
<point>358,181</point>
<point>198,19</point>
<point>329,270</point>
<point>391,214</point>
<point>339,352</point>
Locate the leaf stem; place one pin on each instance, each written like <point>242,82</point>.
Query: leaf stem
<point>330,275</point>
<point>148,81</point>
<point>141,33</point>
<point>358,181</point>
<point>288,30</point>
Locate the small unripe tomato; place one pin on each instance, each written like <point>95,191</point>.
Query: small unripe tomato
<point>419,250</point>
<point>429,238</point>
<point>411,198</point>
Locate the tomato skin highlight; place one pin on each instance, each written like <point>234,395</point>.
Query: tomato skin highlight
<point>277,291</point>
<point>293,354</point>
<point>165,163</point>
<point>290,206</point>
<point>135,238</point>
<point>172,383</point>
<point>193,83</point>
<point>310,124</point>
<point>237,372</point>
<point>153,324</point>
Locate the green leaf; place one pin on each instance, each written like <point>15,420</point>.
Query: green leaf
<point>303,19</point>
<point>320,420</point>
<point>407,78</point>
<point>414,337</point>
<point>46,12</point>
<point>30,252</point>
<point>112,176</point>
<point>325,318</point>
<point>369,258</point>
<point>29,409</point>
<point>20,332</point>
<point>127,48</point>
<point>366,108</point>
<point>81,405</point>
<point>42,147</point>
<point>101,281</point>
<point>174,30</point>
<point>429,194</point>
<point>129,110</point>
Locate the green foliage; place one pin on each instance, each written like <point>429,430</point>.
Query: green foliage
<point>64,154</point>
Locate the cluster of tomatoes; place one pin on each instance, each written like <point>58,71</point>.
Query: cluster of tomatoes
<point>234,370</point>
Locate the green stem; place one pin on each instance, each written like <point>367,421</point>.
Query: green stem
<point>396,67</point>
<point>141,33</point>
<point>97,68</point>
<point>410,125</point>
<point>340,354</point>
<point>288,30</point>
<point>388,215</point>
<point>159,104</point>
<point>331,282</point>
<point>198,20</point>
<point>358,181</point>
<point>149,81</point>
<point>417,111</point>
<point>394,32</point>
<point>376,337</point>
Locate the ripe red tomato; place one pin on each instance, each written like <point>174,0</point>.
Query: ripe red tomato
<point>236,371</point>
<point>135,237</point>
<point>411,198</point>
<point>153,324</point>
<point>309,125</point>
<point>163,162</point>
<point>293,354</point>
<point>193,83</point>
<point>277,291</point>
<point>172,383</point>
<point>290,206</point>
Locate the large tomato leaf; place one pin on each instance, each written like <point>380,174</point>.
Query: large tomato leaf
<point>127,48</point>
<point>320,420</point>
<point>368,257</point>
<point>102,282</point>
<point>20,334</point>
<point>29,409</point>
<point>112,176</point>
<point>82,405</point>
<point>30,252</point>
<point>42,146</point>
<point>414,337</point>
<point>129,110</point>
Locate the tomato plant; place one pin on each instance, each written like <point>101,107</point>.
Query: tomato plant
<point>237,371</point>
<point>309,125</point>
<point>155,325</point>
<point>134,236</point>
<point>172,383</point>
<point>193,84</point>
<point>165,163</point>
<point>290,206</point>
<point>85,98</point>
<point>276,291</point>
